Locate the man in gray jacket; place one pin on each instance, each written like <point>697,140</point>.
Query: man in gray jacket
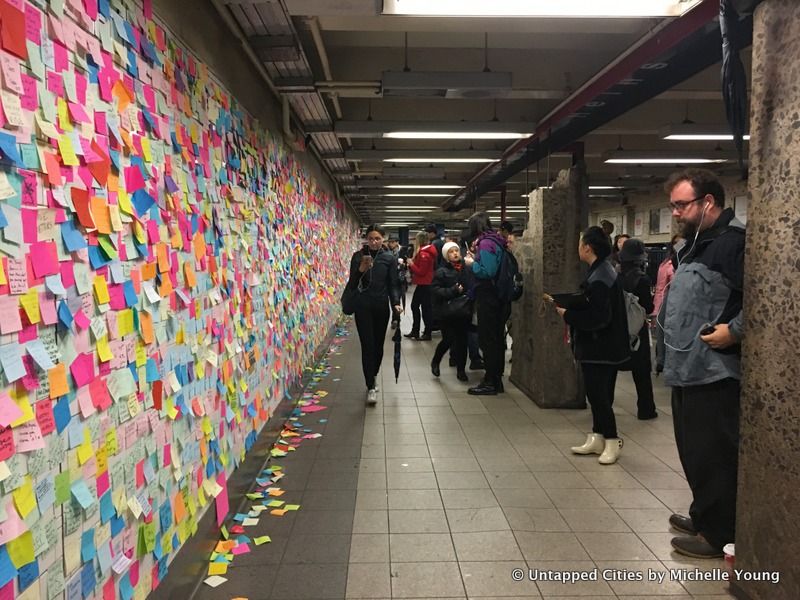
<point>702,321</point>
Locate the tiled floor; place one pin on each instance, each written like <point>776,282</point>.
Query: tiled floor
<point>437,494</point>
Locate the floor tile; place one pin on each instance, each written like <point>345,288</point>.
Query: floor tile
<point>615,546</point>
<point>540,546</point>
<point>486,546</point>
<point>476,519</point>
<point>421,547</point>
<point>371,521</point>
<point>414,499</point>
<point>484,579</point>
<point>368,581</point>
<point>594,519</point>
<point>369,548</point>
<point>480,498</point>
<point>426,580</point>
<point>306,581</point>
<point>417,521</point>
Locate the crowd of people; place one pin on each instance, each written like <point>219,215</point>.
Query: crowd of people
<point>694,314</point>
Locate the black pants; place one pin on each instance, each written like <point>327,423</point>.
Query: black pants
<point>422,299</point>
<point>454,338</point>
<point>645,404</point>
<point>706,420</point>
<point>472,344</point>
<point>371,321</point>
<point>491,333</point>
<point>599,381</point>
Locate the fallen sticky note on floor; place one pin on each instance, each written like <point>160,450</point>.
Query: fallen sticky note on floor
<point>217,568</point>
<point>292,507</point>
<point>275,503</point>
<point>250,522</point>
<point>241,549</point>
<point>278,512</point>
<point>264,539</point>
<point>214,580</point>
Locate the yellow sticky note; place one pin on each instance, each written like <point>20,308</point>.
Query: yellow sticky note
<point>101,290</point>
<point>68,156</point>
<point>30,304</point>
<point>125,202</point>
<point>3,279</point>
<point>25,499</point>
<point>146,149</point>
<point>104,350</point>
<point>20,396</point>
<point>20,550</point>
<point>63,115</point>
<point>217,568</point>
<point>111,441</point>
<point>85,450</point>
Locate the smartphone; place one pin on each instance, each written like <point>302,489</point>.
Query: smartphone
<point>708,330</point>
<point>365,250</point>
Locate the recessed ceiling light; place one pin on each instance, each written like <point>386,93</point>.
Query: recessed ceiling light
<point>702,137</point>
<point>539,8</point>
<point>454,135</point>
<point>664,161</point>
<point>439,160</point>
<point>697,132</point>
<point>423,187</point>
<point>417,195</point>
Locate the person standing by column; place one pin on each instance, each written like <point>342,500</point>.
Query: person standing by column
<point>485,262</point>
<point>373,271</point>
<point>703,331</point>
<point>422,267</point>
<point>632,262</point>
<point>599,334</point>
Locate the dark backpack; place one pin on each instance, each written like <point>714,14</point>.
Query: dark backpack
<point>508,279</point>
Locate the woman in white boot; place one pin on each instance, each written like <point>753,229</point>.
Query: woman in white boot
<point>599,334</point>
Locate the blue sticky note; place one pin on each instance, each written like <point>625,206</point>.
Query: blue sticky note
<point>103,8</point>
<point>117,525</point>
<point>107,509</point>
<point>152,371</point>
<point>74,587</point>
<point>3,220</point>
<point>131,299</point>
<point>88,580</point>
<point>82,494</point>
<point>97,257</point>
<point>7,569</point>
<point>142,201</point>
<point>9,150</point>
<point>104,557</point>
<point>73,239</point>
<point>61,413</point>
<point>88,550</point>
<point>64,314</point>
<point>28,574</point>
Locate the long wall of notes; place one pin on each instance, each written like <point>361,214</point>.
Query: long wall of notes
<point>168,270</point>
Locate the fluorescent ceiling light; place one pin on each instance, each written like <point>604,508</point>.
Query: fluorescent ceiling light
<point>423,187</point>
<point>417,195</point>
<point>664,161</point>
<point>402,207</point>
<point>539,8</point>
<point>696,132</point>
<point>605,187</point>
<point>409,210</point>
<point>454,135</point>
<point>440,160</point>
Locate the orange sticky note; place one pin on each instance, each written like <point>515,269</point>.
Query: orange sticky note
<point>148,271</point>
<point>188,273</point>
<point>53,168</point>
<point>165,289</point>
<point>146,324</point>
<point>122,95</point>
<point>101,215</point>
<point>163,258</point>
<point>57,378</point>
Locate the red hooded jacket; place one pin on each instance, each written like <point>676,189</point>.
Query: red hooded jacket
<point>424,266</point>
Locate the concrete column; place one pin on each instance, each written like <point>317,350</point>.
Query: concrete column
<point>767,527</point>
<point>547,252</point>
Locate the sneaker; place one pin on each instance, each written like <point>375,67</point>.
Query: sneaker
<point>682,524</point>
<point>695,546</point>
<point>372,397</point>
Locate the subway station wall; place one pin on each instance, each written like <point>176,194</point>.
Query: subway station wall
<point>167,271</point>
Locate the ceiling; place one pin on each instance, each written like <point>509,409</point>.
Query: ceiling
<point>351,74</point>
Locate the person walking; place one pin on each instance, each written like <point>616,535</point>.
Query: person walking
<point>599,335</point>
<point>703,331</point>
<point>485,261</point>
<point>373,271</point>
<point>633,260</point>
<point>452,308</point>
<point>422,267</point>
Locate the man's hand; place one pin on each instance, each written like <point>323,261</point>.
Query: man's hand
<point>721,338</point>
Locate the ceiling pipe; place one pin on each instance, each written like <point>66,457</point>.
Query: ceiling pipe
<point>234,28</point>
<point>316,34</point>
<point>663,37</point>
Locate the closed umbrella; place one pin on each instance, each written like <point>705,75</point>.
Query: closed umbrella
<point>396,338</point>
<point>734,79</point>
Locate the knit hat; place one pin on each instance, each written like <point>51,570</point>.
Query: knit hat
<point>447,247</point>
<point>632,251</point>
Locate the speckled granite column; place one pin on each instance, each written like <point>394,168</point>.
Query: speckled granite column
<point>767,525</point>
<point>548,256</point>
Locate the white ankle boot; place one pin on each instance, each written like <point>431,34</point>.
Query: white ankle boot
<point>593,445</point>
<point>611,453</point>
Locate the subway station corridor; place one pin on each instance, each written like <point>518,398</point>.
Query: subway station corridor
<point>437,494</point>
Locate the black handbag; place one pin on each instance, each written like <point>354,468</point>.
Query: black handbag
<point>459,307</point>
<point>351,296</point>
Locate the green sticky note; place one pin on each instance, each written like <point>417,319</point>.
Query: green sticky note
<point>30,158</point>
<point>292,507</point>
<point>62,487</point>
<point>107,246</point>
<point>264,539</point>
<point>224,532</point>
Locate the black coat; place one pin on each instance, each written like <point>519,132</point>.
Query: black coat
<point>443,287</point>
<point>636,281</point>
<point>381,281</point>
<point>600,330</point>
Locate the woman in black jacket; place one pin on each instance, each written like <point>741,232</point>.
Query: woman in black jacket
<point>373,271</point>
<point>632,260</point>
<point>599,333</point>
<point>453,280</point>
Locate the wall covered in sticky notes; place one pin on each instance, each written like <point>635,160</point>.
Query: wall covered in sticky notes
<point>167,271</point>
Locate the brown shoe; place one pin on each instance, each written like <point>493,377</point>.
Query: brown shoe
<point>695,546</point>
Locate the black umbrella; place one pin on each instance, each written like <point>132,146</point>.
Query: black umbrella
<point>734,79</point>
<point>397,338</point>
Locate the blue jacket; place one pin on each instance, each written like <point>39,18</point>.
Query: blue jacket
<point>489,250</point>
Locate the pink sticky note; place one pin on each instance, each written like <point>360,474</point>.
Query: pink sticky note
<point>81,320</point>
<point>77,113</point>
<point>9,411</point>
<point>12,527</point>
<point>221,500</point>
<point>103,483</point>
<point>82,369</point>
<point>33,24</point>
<point>240,549</point>
<point>10,321</point>
<point>44,258</point>
<point>47,307</point>
<point>61,56</point>
<point>29,99</point>
<point>55,84</point>
<point>133,179</point>
<point>29,437</point>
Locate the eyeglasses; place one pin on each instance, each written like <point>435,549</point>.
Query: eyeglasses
<point>681,206</point>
